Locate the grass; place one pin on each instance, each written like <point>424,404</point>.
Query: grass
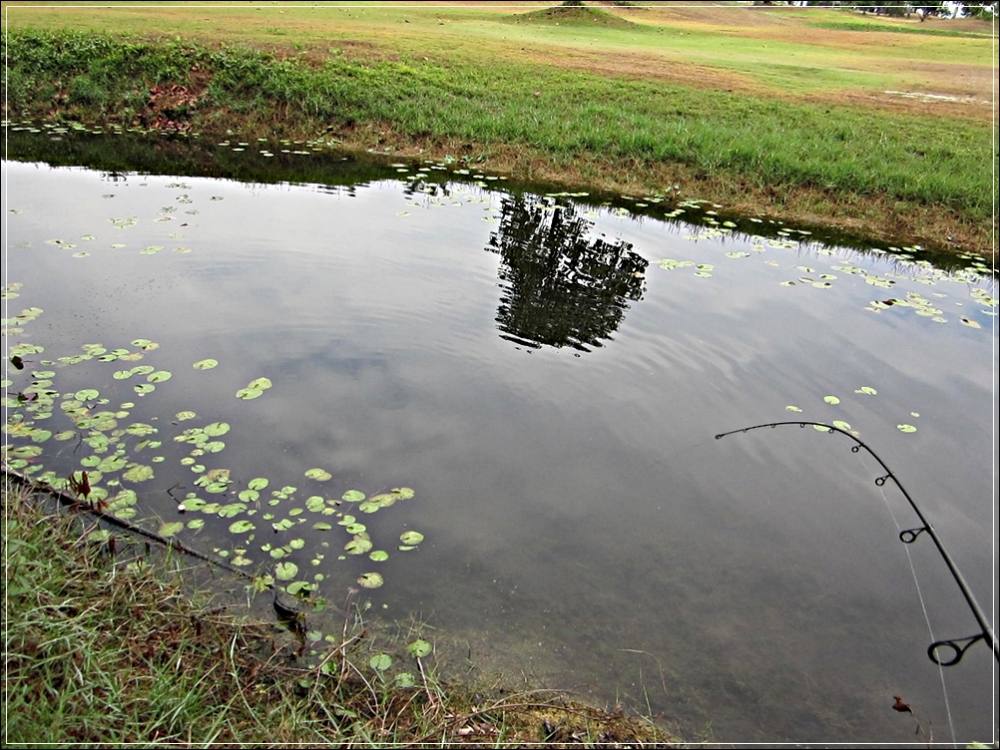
<point>104,646</point>
<point>896,29</point>
<point>630,99</point>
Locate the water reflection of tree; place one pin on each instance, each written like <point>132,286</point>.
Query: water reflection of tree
<point>560,287</point>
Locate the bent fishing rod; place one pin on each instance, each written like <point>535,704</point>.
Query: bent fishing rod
<point>908,536</point>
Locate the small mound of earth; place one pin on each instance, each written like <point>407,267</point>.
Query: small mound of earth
<point>573,15</point>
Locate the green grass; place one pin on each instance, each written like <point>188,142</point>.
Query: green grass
<point>466,34</point>
<point>108,648</point>
<point>563,113</point>
<point>929,30</point>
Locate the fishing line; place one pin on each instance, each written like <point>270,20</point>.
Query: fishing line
<point>957,646</point>
<point>923,607</point>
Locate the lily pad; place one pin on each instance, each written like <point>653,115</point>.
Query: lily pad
<point>832,400</point>
<point>205,364</point>
<point>411,538</point>
<point>315,504</point>
<point>358,546</point>
<point>286,571</point>
<point>407,680</point>
<point>380,662</point>
<point>241,527</point>
<point>320,475</point>
<point>419,648</point>
<point>216,429</point>
<point>138,473</point>
<point>170,529</point>
<point>370,580</point>
<point>906,428</point>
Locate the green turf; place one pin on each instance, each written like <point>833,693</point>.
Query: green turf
<point>560,112</point>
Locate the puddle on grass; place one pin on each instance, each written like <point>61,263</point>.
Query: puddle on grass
<point>494,410</point>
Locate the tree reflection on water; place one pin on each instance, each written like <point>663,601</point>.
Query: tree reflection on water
<point>560,287</point>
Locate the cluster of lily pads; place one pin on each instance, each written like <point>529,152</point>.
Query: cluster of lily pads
<point>121,455</point>
<point>969,279</point>
<point>831,400</point>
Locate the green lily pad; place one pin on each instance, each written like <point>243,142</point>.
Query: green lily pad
<point>315,504</point>
<point>241,527</point>
<point>216,429</point>
<point>906,428</point>
<point>170,529</point>
<point>793,408</point>
<point>379,555</point>
<point>411,538</point>
<point>286,571</point>
<point>320,475</point>
<point>258,483</point>
<point>160,376</point>
<point>406,680</point>
<point>205,364</point>
<point>370,580</point>
<point>832,400</point>
<point>353,496</point>
<point>866,390</point>
<point>380,662</point>
<point>358,546</point>
<point>138,473</point>
<point>419,648</point>
<point>183,416</point>
<point>230,509</point>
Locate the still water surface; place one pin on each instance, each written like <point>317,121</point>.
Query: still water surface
<point>551,392</point>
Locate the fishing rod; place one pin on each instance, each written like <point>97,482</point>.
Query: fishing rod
<point>908,536</point>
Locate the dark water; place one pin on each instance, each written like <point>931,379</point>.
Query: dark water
<point>550,393</point>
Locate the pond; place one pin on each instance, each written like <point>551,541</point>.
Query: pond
<point>494,410</point>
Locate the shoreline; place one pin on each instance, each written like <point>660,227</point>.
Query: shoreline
<point>194,93</point>
<point>106,644</point>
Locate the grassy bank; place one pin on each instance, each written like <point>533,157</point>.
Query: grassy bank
<point>103,646</point>
<point>763,139</point>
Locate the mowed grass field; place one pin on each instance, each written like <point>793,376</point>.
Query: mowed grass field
<point>876,125</point>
